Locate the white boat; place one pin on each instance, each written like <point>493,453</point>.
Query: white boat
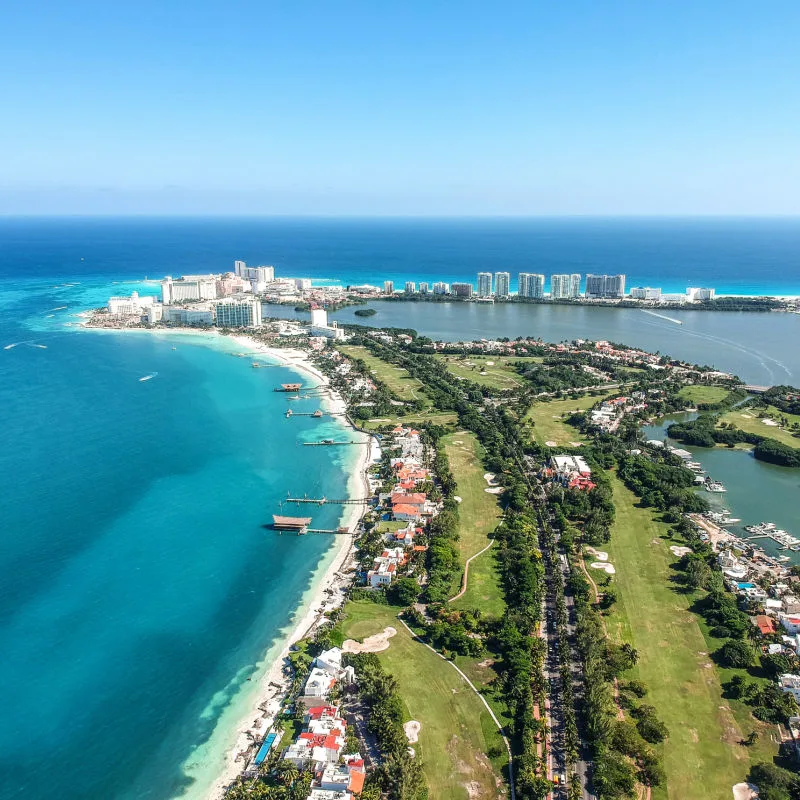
<point>715,487</point>
<point>730,520</point>
<point>148,377</point>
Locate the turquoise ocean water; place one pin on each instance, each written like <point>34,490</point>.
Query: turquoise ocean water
<point>138,590</point>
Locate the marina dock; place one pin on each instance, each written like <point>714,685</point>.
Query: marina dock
<point>327,442</point>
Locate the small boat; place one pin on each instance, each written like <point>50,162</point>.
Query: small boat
<point>730,521</point>
<point>148,377</point>
<point>174,348</point>
<point>714,487</point>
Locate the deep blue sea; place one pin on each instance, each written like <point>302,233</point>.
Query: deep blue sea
<point>138,590</point>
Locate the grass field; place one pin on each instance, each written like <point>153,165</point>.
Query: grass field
<point>749,420</point>
<point>456,730</point>
<point>396,378</point>
<point>702,756</point>
<point>703,394</point>
<point>549,425</point>
<point>478,514</point>
<point>444,418</point>
<point>499,372</point>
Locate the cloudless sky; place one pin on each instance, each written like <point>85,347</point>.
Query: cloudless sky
<point>373,107</point>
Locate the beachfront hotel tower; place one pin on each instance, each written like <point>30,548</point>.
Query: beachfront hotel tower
<point>605,286</point>
<point>239,313</point>
<point>565,287</point>
<point>502,284</point>
<point>484,284</point>
<point>411,287</point>
<point>530,284</point>
<point>388,287</point>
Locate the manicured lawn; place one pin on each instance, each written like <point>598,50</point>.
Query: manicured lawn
<point>496,372</point>
<point>548,418</point>
<point>749,420</point>
<point>456,730</point>
<point>443,418</point>
<point>396,378</point>
<point>478,515</point>
<point>702,756</point>
<point>704,394</point>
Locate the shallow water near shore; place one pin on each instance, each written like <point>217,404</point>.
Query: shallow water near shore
<point>140,590</point>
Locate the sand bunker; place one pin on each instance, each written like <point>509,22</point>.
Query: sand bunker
<point>770,422</point>
<point>490,363</point>
<point>457,498</point>
<point>489,477</point>
<point>551,444</point>
<point>604,565</point>
<point>745,791</point>
<point>600,555</point>
<point>681,551</point>
<point>411,729</point>
<point>372,644</point>
<point>495,490</point>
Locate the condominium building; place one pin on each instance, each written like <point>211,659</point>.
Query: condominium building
<point>607,286</point>
<point>530,284</point>
<point>244,313</point>
<point>302,284</point>
<point>484,284</point>
<point>645,293</point>
<point>502,284</point>
<point>565,287</point>
<point>441,288</point>
<point>388,287</point>
<point>411,287</point>
<point>424,288</point>
<point>465,289</point>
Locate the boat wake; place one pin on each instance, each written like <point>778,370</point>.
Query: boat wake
<point>663,316</point>
<point>148,377</point>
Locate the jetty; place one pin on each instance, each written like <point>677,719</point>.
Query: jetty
<point>289,387</point>
<point>297,524</point>
<point>327,442</point>
<point>318,413</point>
<point>321,501</point>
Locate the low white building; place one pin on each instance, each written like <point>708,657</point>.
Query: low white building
<point>790,684</point>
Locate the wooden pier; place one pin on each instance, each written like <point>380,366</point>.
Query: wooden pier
<point>321,501</point>
<point>318,413</point>
<point>328,443</point>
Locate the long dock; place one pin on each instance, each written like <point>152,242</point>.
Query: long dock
<point>328,444</point>
<point>321,501</point>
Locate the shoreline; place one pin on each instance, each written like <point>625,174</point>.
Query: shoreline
<point>331,575</point>
<point>326,594</point>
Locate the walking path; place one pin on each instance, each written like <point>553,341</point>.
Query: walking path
<point>466,572</point>
<point>480,696</point>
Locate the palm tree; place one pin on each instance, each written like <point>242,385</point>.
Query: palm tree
<point>287,772</point>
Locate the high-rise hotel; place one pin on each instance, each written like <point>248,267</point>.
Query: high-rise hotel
<point>530,284</point>
<point>565,287</point>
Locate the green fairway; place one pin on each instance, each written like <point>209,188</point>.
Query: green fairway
<point>750,421</point>
<point>456,731</point>
<point>396,378</point>
<point>431,417</point>
<point>496,372</point>
<point>548,418</point>
<point>704,394</point>
<point>702,756</point>
<point>478,515</point>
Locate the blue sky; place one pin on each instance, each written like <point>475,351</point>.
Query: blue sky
<point>432,108</point>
